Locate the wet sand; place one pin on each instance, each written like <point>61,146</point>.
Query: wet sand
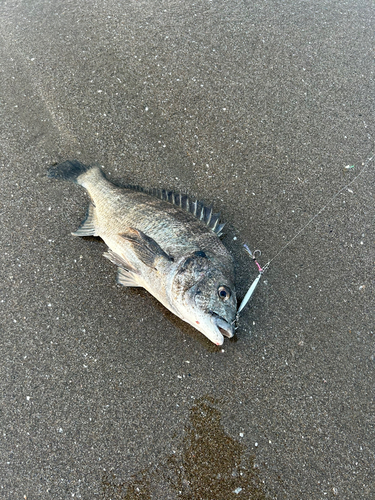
<point>266,111</point>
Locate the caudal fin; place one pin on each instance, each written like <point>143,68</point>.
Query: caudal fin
<point>69,170</point>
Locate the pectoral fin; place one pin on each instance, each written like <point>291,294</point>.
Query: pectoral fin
<point>145,248</point>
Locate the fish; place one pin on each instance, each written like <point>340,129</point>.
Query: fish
<point>163,242</point>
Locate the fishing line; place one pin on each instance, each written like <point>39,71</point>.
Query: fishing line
<point>261,270</point>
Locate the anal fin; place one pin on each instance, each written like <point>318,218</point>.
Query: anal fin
<point>87,228</point>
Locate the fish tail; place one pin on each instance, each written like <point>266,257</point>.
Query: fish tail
<point>69,170</point>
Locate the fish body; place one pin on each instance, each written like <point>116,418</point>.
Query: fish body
<point>164,243</point>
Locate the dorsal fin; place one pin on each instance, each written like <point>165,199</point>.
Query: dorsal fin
<point>197,208</point>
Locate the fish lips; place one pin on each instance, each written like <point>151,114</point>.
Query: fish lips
<point>225,328</point>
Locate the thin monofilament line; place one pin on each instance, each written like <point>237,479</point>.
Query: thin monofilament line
<point>251,290</point>
<point>367,162</point>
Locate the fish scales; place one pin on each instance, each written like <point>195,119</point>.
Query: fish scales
<point>161,247</point>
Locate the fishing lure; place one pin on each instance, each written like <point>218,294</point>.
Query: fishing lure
<point>261,270</point>
<point>254,284</point>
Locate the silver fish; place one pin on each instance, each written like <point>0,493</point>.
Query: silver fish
<point>165,243</point>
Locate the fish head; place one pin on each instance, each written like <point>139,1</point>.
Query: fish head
<point>204,294</point>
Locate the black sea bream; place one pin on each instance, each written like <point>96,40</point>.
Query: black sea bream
<point>165,243</point>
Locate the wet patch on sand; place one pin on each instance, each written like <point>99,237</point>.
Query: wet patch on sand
<point>210,465</point>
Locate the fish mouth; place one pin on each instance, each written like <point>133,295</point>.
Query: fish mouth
<point>223,326</point>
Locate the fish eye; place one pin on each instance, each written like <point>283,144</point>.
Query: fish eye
<point>223,292</point>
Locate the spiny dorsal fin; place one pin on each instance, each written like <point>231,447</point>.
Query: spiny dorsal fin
<point>196,208</point>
